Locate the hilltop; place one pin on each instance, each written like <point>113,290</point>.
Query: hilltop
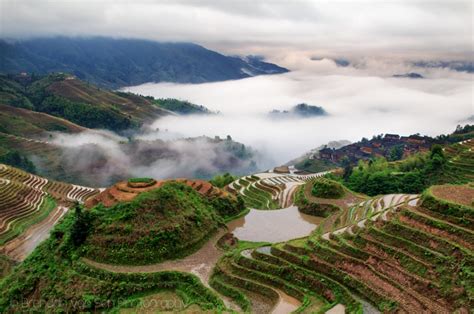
<point>299,111</point>
<point>115,63</point>
<point>159,220</point>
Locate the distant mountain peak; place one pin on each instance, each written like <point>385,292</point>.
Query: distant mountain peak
<point>411,75</point>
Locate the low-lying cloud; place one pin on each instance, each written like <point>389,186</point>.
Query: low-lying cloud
<point>100,158</point>
<point>359,104</point>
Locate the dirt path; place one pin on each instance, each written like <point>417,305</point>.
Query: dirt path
<point>199,263</point>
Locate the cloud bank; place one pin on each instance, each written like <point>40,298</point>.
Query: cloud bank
<point>100,158</point>
<point>273,28</point>
<point>359,105</point>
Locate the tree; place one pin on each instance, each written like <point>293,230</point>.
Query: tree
<point>396,153</point>
<point>80,227</point>
<point>437,150</point>
<point>346,164</point>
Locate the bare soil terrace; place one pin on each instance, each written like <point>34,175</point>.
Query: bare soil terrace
<point>463,195</point>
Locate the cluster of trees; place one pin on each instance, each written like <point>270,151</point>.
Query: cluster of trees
<point>461,133</point>
<point>180,106</point>
<point>84,114</point>
<point>15,159</point>
<point>411,175</point>
<point>221,181</point>
<point>327,189</point>
<point>33,94</point>
<point>81,226</point>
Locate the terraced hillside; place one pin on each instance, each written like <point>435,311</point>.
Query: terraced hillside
<point>395,253</point>
<point>128,190</point>
<point>65,96</point>
<point>27,123</point>
<point>269,190</point>
<point>29,208</point>
<point>460,166</point>
<point>53,273</point>
<point>401,253</point>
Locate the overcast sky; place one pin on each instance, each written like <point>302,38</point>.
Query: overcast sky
<point>420,29</point>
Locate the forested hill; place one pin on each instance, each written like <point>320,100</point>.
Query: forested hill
<point>116,63</point>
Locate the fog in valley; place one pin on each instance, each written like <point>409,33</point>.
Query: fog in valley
<point>100,158</point>
<point>361,101</point>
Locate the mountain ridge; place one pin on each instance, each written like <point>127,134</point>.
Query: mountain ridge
<point>115,63</point>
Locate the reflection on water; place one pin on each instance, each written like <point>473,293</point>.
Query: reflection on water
<point>273,225</point>
<point>286,304</point>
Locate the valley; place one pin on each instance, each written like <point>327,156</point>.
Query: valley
<point>275,241</point>
<point>267,157</point>
<point>112,220</point>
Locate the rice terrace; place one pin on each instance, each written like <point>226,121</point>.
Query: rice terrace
<point>265,157</point>
<point>396,252</point>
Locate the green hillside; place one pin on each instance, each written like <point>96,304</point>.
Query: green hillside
<point>164,223</point>
<point>67,97</point>
<point>115,63</point>
<point>53,274</point>
<point>449,164</point>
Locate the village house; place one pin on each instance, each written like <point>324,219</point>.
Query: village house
<point>392,137</point>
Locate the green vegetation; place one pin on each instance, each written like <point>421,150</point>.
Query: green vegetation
<point>311,208</point>
<point>299,111</point>
<point>6,266</point>
<point>168,222</point>
<point>15,159</point>
<point>228,207</point>
<point>180,106</point>
<point>221,181</point>
<point>64,96</point>
<point>315,165</point>
<point>29,124</point>
<point>85,114</point>
<point>53,275</point>
<point>396,153</point>
<point>141,180</point>
<point>415,173</point>
<point>326,188</point>
<point>21,224</point>
<point>256,194</point>
<point>252,277</point>
<point>115,63</point>
<point>465,214</point>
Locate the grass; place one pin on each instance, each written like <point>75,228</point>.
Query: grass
<point>6,266</point>
<point>164,223</point>
<point>54,273</point>
<point>141,180</point>
<point>327,188</point>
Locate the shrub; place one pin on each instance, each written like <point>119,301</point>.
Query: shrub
<point>221,181</point>
<point>326,188</point>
